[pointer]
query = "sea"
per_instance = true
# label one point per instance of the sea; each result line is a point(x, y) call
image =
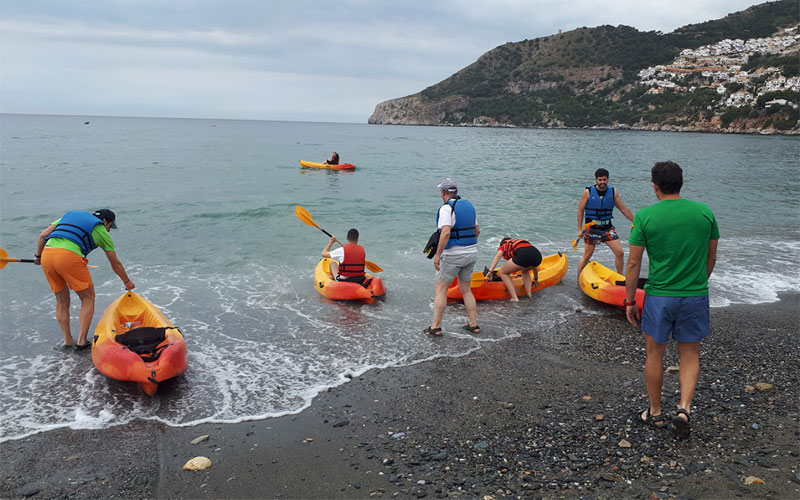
point(207, 231)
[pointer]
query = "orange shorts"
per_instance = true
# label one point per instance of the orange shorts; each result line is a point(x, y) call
point(64, 267)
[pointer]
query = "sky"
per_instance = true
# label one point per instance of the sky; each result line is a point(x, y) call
point(298, 60)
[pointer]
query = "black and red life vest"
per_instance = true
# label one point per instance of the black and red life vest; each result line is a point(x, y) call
point(509, 247)
point(353, 263)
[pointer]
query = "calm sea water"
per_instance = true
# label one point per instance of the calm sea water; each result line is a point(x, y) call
point(208, 233)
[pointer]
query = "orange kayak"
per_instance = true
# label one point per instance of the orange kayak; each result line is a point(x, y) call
point(341, 166)
point(551, 270)
point(601, 283)
point(344, 290)
point(135, 341)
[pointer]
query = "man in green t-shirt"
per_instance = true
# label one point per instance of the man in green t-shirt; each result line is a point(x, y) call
point(61, 251)
point(681, 240)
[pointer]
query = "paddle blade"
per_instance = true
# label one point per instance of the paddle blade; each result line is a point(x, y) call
point(574, 245)
point(375, 268)
point(304, 216)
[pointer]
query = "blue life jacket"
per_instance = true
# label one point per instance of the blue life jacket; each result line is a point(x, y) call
point(77, 226)
point(597, 208)
point(463, 233)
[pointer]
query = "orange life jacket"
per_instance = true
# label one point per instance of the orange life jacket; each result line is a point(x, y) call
point(510, 247)
point(353, 263)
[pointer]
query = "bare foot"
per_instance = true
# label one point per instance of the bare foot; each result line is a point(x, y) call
point(514, 299)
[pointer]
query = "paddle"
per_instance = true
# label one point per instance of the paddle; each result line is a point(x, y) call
point(574, 242)
point(304, 216)
point(5, 259)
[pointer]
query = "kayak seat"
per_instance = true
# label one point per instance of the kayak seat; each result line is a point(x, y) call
point(144, 341)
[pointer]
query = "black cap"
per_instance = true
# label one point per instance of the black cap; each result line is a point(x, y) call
point(108, 215)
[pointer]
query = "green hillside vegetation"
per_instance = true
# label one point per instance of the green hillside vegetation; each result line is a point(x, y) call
point(587, 76)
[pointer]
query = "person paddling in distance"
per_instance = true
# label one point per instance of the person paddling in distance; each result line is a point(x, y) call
point(520, 255)
point(456, 254)
point(61, 251)
point(348, 261)
point(334, 159)
point(597, 204)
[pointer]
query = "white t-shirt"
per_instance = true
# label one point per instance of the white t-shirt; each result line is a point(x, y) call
point(447, 217)
point(338, 254)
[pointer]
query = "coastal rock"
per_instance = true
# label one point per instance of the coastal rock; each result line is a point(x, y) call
point(200, 439)
point(764, 386)
point(31, 489)
point(415, 110)
point(197, 463)
point(753, 480)
point(624, 444)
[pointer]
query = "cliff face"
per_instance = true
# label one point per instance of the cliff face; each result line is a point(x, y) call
point(414, 110)
point(701, 77)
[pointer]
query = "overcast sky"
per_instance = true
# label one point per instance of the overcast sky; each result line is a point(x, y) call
point(303, 60)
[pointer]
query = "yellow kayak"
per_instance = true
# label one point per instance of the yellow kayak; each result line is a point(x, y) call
point(601, 283)
point(341, 166)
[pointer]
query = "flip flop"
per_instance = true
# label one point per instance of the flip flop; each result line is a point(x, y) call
point(681, 427)
point(81, 347)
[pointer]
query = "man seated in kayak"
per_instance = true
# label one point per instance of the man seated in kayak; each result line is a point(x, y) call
point(520, 256)
point(347, 262)
point(61, 251)
point(334, 160)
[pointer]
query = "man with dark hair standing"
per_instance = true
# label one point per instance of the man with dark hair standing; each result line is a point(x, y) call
point(61, 251)
point(347, 261)
point(597, 204)
point(681, 239)
point(456, 254)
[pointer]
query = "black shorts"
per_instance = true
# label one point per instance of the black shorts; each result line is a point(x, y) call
point(527, 257)
point(353, 279)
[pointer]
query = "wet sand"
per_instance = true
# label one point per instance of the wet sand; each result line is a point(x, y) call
point(546, 415)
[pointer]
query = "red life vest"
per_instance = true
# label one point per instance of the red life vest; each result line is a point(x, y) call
point(509, 248)
point(353, 263)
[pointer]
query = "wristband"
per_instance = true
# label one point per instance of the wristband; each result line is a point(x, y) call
point(626, 303)
point(37, 256)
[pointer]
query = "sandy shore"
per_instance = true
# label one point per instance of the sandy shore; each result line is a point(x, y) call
point(545, 415)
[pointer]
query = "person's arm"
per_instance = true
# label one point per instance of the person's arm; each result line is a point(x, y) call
point(621, 206)
point(635, 253)
point(444, 237)
point(326, 252)
point(477, 230)
point(711, 259)
point(536, 277)
point(581, 209)
point(495, 260)
point(37, 254)
point(118, 268)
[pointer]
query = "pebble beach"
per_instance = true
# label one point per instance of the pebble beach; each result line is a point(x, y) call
point(544, 415)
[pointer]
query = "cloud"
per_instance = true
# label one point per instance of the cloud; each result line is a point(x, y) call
point(275, 60)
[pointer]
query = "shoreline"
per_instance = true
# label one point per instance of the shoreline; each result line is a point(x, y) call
point(541, 415)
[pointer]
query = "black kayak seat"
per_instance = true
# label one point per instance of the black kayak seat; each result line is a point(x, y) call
point(144, 341)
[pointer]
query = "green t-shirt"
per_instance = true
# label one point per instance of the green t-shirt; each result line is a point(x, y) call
point(676, 235)
point(99, 234)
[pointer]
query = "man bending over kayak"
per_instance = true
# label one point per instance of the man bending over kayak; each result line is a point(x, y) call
point(61, 251)
point(347, 262)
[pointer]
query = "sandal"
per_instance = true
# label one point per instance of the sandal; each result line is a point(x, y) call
point(681, 426)
point(432, 331)
point(472, 329)
point(657, 421)
point(80, 347)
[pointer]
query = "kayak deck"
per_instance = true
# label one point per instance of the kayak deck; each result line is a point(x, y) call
point(607, 286)
point(551, 271)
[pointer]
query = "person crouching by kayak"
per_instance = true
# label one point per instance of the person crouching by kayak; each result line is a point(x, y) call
point(347, 262)
point(334, 160)
point(61, 251)
point(520, 256)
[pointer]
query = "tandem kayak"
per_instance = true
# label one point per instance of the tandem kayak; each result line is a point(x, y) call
point(343, 290)
point(551, 270)
point(134, 341)
point(341, 166)
point(601, 283)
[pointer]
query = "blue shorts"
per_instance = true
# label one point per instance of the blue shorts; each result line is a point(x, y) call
point(687, 318)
